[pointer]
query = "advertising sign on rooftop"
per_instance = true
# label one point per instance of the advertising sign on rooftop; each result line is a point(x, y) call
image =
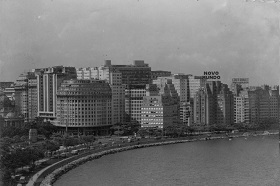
point(240, 80)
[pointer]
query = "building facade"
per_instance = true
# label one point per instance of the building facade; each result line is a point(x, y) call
point(241, 107)
point(161, 109)
point(114, 78)
point(225, 106)
point(195, 83)
point(214, 105)
point(26, 96)
point(181, 85)
point(133, 102)
point(84, 106)
point(48, 81)
point(263, 104)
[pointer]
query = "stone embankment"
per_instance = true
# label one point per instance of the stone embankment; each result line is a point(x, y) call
point(51, 178)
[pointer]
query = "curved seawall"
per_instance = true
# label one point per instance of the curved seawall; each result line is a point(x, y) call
point(53, 172)
point(51, 178)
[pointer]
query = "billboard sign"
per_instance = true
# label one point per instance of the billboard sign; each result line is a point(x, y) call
point(240, 80)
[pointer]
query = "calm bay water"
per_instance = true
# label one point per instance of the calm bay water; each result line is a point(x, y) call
point(254, 161)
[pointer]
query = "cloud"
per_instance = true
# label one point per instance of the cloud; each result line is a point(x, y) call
point(185, 36)
point(197, 58)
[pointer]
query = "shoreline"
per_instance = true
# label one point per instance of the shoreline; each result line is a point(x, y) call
point(63, 169)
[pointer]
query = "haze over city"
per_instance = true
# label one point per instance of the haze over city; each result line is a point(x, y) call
point(235, 37)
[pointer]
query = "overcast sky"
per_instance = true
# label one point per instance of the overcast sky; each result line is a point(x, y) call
point(235, 37)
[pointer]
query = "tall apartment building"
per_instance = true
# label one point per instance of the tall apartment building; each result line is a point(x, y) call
point(26, 96)
point(201, 108)
point(181, 84)
point(32, 98)
point(274, 103)
point(114, 78)
point(133, 102)
point(121, 77)
point(263, 104)
point(225, 106)
point(160, 106)
point(84, 106)
point(195, 83)
point(213, 105)
point(48, 81)
point(241, 107)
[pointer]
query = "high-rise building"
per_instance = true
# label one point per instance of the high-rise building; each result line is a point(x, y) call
point(121, 77)
point(201, 108)
point(225, 106)
point(241, 107)
point(213, 105)
point(32, 98)
point(48, 81)
point(26, 95)
point(133, 102)
point(114, 78)
point(84, 106)
point(263, 104)
point(274, 103)
point(195, 83)
point(181, 84)
point(160, 109)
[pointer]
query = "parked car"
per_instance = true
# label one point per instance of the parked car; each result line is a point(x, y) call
point(74, 152)
point(63, 155)
point(22, 179)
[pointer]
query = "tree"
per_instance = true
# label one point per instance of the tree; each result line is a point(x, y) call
point(267, 123)
point(23, 138)
point(34, 155)
point(143, 132)
point(88, 138)
point(50, 145)
point(190, 129)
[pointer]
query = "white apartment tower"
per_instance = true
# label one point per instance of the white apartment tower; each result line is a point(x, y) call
point(241, 108)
